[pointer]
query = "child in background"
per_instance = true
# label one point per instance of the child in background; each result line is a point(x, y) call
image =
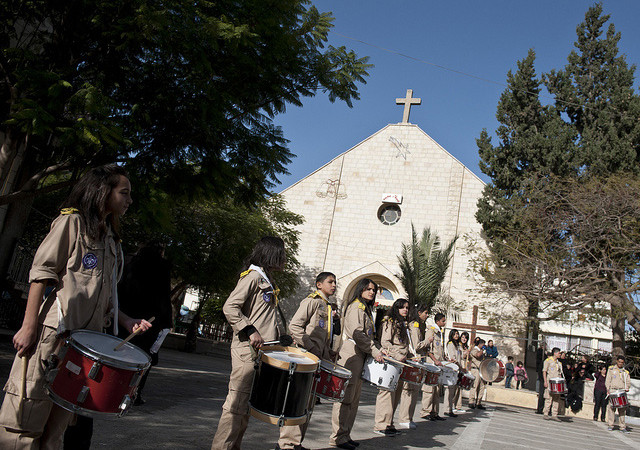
point(521, 375)
point(510, 372)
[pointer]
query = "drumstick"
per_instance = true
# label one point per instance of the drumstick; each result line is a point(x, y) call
point(135, 333)
point(23, 386)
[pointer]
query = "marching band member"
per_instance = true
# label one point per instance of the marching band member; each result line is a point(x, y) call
point(82, 258)
point(435, 354)
point(551, 369)
point(311, 328)
point(395, 341)
point(417, 348)
point(464, 366)
point(251, 312)
point(479, 385)
point(358, 342)
point(455, 355)
point(617, 379)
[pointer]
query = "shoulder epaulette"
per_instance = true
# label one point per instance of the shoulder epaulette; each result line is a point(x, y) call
point(361, 306)
point(245, 273)
point(549, 358)
point(415, 324)
point(315, 294)
point(67, 211)
point(387, 319)
point(613, 367)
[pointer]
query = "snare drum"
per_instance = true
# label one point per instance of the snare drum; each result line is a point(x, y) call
point(432, 374)
point(332, 381)
point(282, 385)
point(492, 370)
point(412, 373)
point(466, 380)
point(385, 375)
point(619, 399)
point(557, 385)
point(92, 378)
point(448, 374)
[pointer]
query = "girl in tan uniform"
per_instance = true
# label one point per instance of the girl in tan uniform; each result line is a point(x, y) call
point(357, 343)
point(311, 328)
point(417, 348)
point(251, 312)
point(454, 353)
point(82, 259)
point(464, 366)
point(395, 340)
point(479, 385)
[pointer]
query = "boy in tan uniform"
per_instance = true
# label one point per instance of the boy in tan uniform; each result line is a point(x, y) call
point(357, 343)
point(251, 312)
point(417, 347)
point(311, 328)
point(479, 385)
point(552, 368)
point(435, 354)
point(617, 379)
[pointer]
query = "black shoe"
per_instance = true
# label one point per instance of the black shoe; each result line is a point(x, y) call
point(432, 418)
point(318, 401)
point(346, 446)
point(450, 414)
point(354, 443)
point(538, 412)
point(472, 406)
point(439, 418)
point(480, 407)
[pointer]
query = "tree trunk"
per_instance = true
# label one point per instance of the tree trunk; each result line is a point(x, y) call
point(15, 223)
point(617, 329)
point(533, 333)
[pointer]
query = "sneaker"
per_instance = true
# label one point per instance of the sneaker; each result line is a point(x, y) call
point(609, 428)
point(407, 426)
point(625, 431)
point(388, 432)
point(436, 417)
point(393, 430)
point(451, 414)
point(459, 411)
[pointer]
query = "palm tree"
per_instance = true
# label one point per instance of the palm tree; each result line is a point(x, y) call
point(423, 266)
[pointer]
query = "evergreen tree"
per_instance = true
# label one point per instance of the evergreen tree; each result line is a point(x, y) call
point(595, 90)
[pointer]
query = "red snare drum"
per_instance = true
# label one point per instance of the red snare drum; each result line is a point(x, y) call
point(432, 374)
point(492, 370)
point(557, 385)
point(465, 380)
point(619, 399)
point(93, 379)
point(332, 381)
point(412, 372)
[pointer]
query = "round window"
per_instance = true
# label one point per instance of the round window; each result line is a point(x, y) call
point(389, 214)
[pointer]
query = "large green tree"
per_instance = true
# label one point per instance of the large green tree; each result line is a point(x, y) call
point(182, 93)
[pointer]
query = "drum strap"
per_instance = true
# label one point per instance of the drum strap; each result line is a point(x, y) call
point(411, 347)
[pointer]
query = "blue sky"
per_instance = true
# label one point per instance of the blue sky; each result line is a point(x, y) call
point(484, 39)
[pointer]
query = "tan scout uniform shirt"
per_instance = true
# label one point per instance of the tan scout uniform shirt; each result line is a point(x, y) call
point(455, 353)
point(418, 342)
point(475, 361)
point(396, 345)
point(312, 325)
point(83, 273)
point(358, 332)
point(617, 379)
point(252, 302)
point(552, 368)
point(436, 347)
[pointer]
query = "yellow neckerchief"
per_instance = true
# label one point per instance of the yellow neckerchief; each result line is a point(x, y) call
point(67, 211)
point(317, 294)
point(558, 365)
point(275, 289)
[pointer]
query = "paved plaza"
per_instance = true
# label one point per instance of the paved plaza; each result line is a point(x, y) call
point(185, 393)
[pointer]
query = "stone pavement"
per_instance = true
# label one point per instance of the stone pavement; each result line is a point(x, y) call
point(184, 396)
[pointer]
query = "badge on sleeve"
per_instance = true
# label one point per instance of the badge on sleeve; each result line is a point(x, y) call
point(321, 323)
point(369, 331)
point(267, 296)
point(89, 261)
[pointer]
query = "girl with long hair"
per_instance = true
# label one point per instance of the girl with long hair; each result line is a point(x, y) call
point(251, 312)
point(464, 365)
point(358, 343)
point(395, 340)
point(81, 259)
point(454, 351)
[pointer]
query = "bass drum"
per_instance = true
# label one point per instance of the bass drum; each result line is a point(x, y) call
point(492, 370)
point(277, 397)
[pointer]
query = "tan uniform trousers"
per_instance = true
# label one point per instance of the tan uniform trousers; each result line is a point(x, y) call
point(459, 399)
point(344, 412)
point(408, 402)
point(293, 435)
point(552, 404)
point(476, 394)
point(235, 411)
point(622, 412)
point(430, 400)
point(453, 394)
point(43, 423)
point(386, 404)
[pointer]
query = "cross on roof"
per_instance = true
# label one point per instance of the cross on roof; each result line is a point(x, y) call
point(407, 102)
point(473, 326)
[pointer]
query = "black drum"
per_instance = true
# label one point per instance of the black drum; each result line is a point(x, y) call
point(282, 385)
